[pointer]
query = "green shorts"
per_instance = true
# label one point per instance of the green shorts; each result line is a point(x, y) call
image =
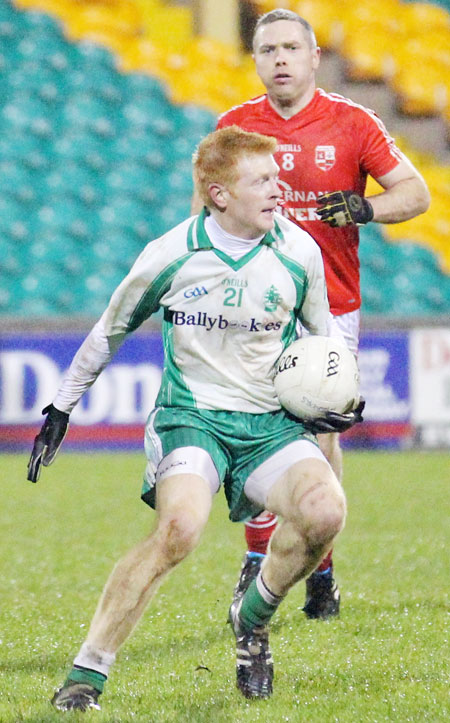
point(237, 442)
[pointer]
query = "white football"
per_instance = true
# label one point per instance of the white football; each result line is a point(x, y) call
point(317, 374)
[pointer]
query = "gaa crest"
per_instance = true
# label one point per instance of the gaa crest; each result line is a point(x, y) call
point(325, 157)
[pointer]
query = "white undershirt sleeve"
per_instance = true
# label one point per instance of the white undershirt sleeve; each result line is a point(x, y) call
point(91, 358)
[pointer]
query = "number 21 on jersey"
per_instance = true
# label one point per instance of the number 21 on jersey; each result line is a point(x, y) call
point(233, 297)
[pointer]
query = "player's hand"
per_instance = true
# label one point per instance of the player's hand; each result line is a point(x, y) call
point(334, 422)
point(48, 441)
point(344, 208)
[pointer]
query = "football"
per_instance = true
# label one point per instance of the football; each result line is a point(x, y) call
point(315, 375)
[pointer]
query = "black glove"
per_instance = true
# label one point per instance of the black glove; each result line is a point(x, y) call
point(343, 208)
point(48, 441)
point(334, 422)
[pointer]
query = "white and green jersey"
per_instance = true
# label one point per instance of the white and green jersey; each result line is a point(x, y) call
point(225, 321)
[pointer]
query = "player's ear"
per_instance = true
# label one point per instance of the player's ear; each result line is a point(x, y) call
point(218, 195)
point(316, 57)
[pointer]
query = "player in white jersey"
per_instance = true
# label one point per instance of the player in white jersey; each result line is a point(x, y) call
point(232, 283)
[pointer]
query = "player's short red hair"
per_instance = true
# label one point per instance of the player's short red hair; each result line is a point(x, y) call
point(216, 158)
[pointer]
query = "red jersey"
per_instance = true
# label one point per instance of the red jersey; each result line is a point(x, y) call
point(332, 144)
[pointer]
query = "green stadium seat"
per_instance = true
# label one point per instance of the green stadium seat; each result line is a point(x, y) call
point(96, 288)
point(117, 247)
point(81, 146)
point(133, 179)
point(75, 180)
point(199, 121)
point(140, 146)
point(34, 79)
point(8, 13)
point(104, 84)
point(94, 56)
point(64, 214)
point(373, 300)
point(179, 182)
point(60, 252)
point(149, 114)
point(42, 292)
point(7, 305)
point(41, 23)
point(45, 47)
point(415, 254)
point(10, 264)
point(141, 84)
point(17, 181)
point(18, 146)
point(29, 114)
point(15, 219)
point(86, 112)
point(174, 211)
point(127, 213)
point(10, 34)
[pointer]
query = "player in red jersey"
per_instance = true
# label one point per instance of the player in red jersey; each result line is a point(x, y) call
point(327, 146)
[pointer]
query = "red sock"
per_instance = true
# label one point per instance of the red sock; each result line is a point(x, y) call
point(326, 563)
point(259, 530)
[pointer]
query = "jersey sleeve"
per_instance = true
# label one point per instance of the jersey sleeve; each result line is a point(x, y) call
point(315, 311)
point(379, 152)
point(133, 301)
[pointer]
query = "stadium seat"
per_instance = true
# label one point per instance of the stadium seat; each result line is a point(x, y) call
point(10, 263)
point(104, 83)
point(323, 17)
point(75, 180)
point(141, 84)
point(17, 181)
point(15, 219)
point(83, 111)
point(127, 213)
point(133, 179)
point(58, 251)
point(61, 213)
point(138, 145)
point(29, 114)
point(422, 87)
point(174, 211)
point(373, 300)
point(80, 145)
point(117, 246)
point(32, 78)
point(41, 292)
point(148, 113)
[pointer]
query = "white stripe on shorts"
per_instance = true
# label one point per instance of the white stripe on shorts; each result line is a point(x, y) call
point(189, 460)
point(262, 479)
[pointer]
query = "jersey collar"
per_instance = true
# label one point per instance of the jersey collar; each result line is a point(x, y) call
point(198, 239)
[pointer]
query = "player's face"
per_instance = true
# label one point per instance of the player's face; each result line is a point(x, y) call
point(285, 60)
point(252, 199)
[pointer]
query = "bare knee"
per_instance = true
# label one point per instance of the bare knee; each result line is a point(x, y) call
point(179, 535)
point(319, 508)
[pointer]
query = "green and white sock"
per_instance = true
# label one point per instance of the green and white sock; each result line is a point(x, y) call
point(91, 666)
point(90, 677)
point(258, 604)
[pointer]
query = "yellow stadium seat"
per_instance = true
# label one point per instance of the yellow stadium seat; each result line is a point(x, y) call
point(368, 55)
point(325, 18)
point(142, 56)
point(431, 48)
point(424, 17)
point(422, 84)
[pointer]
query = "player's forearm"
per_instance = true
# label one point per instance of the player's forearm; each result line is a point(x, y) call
point(406, 199)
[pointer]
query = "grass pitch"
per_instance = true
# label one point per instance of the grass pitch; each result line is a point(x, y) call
point(385, 659)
